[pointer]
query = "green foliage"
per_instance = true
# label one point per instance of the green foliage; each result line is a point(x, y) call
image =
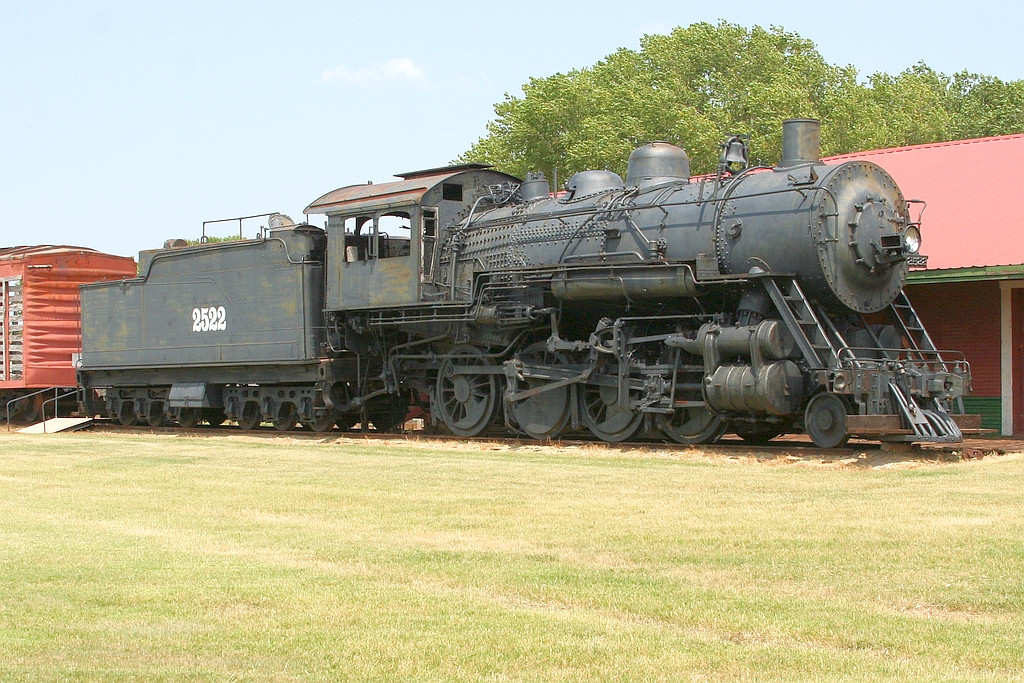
point(700, 83)
point(210, 239)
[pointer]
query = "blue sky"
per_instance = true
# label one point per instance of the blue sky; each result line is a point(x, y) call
point(124, 124)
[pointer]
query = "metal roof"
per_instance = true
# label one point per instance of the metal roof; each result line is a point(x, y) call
point(932, 275)
point(975, 207)
point(11, 253)
point(406, 192)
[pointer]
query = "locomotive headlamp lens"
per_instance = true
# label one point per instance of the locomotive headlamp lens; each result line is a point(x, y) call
point(912, 240)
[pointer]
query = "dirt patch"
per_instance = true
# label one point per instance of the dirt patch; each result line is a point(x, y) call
point(870, 456)
point(791, 451)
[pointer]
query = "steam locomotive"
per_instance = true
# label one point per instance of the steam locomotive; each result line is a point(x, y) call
point(756, 301)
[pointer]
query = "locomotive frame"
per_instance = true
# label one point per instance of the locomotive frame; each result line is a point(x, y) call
point(755, 301)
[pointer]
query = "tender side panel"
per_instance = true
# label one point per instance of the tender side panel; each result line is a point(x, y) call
point(242, 303)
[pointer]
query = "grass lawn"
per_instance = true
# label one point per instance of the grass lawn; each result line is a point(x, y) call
point(220, 558)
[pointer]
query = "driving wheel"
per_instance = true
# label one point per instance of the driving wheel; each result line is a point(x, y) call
point(545, 414)
point(691, 425)
point(467, 399)
point(601, 413)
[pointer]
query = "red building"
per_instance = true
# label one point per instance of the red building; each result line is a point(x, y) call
point(971, 295)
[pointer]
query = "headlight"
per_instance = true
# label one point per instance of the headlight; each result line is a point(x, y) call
point(839, 383)
point(912, 240)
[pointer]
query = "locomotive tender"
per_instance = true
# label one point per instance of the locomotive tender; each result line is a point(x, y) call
point(757, 301)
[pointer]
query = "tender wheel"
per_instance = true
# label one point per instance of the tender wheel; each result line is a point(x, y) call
point(251, 416)
point(156, 417)
point(602, 415)
point(287, 417)
point(189, 417)
point(691, 425)
point(544, 415)
point(825, 421)
point(467, 402)
point(127, 415)
point(323, 422)
point(214, 416)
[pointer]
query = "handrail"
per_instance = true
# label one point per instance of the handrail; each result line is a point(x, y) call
point(881, 355)
point(26, 396)
point(77, 391)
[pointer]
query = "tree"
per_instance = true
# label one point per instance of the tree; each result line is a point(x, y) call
point(984, 105)
point(699, 83)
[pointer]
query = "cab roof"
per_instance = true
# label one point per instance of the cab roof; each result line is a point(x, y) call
point(406, 192)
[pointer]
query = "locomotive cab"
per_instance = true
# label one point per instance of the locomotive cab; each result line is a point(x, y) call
point(382, 237)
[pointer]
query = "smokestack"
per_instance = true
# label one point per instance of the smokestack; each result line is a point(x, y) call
point(801, 142)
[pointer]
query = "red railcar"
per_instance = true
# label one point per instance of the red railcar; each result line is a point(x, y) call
point(40, 317)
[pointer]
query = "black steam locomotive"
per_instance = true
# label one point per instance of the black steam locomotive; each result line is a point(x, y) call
point(755, 301)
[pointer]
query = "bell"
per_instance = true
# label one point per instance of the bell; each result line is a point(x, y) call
point(734, 151)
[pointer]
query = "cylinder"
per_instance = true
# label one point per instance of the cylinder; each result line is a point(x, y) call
point(801, 142)
point(777, 388)
point(770, 337)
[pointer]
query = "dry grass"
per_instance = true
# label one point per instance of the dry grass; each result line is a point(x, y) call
point(181, 557)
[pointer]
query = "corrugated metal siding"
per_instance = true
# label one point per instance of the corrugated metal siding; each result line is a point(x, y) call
point(42, 322)
point(964, 316)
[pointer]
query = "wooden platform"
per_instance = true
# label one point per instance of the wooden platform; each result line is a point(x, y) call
point(57, 424)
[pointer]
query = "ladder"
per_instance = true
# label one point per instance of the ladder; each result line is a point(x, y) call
point(922, 348)
point(798, 313)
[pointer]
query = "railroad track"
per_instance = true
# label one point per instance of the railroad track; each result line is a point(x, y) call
point(793, 445)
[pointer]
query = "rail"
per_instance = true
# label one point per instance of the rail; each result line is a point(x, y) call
point(929, 360)
point(77, 391)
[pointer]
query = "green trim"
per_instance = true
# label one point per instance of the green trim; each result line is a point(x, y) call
point(921, 277)
point(989, 407)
